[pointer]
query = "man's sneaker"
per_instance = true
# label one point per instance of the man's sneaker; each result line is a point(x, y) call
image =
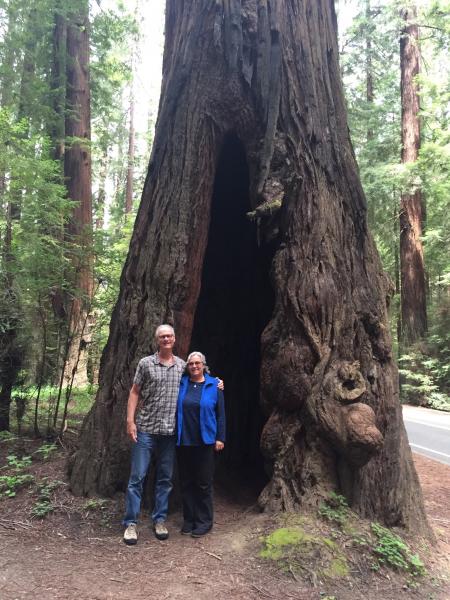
point(130, 535)
point(160, 530)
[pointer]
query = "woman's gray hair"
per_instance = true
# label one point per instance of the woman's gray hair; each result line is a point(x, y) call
point(202, 358)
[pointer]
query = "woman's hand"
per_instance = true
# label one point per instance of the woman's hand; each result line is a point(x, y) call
point(218, 446)
point(220, 384)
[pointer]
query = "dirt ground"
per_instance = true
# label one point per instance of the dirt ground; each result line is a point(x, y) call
point(76, 552)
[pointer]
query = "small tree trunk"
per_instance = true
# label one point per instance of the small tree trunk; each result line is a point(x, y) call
point(10, 351)
point(101, 196)
point(412, 266)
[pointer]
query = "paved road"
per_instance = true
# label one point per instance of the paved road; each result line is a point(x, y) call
point(428, 432)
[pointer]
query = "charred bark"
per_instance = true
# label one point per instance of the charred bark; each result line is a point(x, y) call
point(412, 265)
point(296, 319)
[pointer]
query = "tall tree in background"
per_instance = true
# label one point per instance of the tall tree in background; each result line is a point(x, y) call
point(46, 257)
point(412, 266)
point(21, 20)
point(423, 366)
point(59, 79)
point(131, 132)
point(370, 96)
point(77, 174)
point(288, 302)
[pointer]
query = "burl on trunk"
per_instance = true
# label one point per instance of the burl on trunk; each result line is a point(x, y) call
point(252, 239)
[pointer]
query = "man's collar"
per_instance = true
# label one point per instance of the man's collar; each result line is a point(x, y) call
point(158, 362)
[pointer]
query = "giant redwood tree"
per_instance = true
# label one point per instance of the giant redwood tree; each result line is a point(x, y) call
point(251, 238)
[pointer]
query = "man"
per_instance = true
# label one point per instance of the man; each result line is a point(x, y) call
point(156, 384)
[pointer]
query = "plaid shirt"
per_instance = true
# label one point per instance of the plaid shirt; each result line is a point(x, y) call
point(158, 393)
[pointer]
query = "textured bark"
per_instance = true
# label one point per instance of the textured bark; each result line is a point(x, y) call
point(77, 173)
point(291, 305)
point(130, 162)
point(412, 266)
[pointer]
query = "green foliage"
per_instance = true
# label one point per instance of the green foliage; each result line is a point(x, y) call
point(15, 479)
point(80, 402)
point(391, 550)
point(37, 282)
point(334, 509)
point(46, 450)
point(96, 504)
point(112, 248)
point(420, 374)
point(18, 464)
point(425, 369)
point(10, 483)
point(371, 45)
point(43, 506)
point(46, 487)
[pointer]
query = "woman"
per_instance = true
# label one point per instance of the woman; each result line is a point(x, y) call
point(201, 432)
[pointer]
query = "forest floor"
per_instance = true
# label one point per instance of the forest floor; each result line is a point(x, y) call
point(76, 550)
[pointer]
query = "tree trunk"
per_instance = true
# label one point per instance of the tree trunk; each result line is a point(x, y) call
point(11, 352)
point(130, 161)
point(289, 301)
point(101, 195)
point(412, 266)
point(369, 66)
point(77, 173)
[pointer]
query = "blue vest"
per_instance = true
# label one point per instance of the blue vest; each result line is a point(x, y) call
point(208, 402)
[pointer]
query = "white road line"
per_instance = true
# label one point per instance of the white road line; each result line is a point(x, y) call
point(430, 450)
point(426, 424)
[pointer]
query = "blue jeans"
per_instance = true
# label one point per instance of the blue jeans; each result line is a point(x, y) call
point(147, 444)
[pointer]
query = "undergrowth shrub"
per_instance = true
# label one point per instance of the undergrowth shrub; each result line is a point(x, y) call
point(334, 509)
point(392, 551)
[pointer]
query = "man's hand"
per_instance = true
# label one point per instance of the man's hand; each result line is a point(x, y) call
point(131, 411)
point(218, 446)
point(132, 431)
point(220, 384)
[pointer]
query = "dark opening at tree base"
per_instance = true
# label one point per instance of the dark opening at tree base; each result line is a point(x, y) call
point(235, 304)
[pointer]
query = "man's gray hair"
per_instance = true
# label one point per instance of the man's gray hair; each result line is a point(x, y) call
point(202, 358)
point(164, 326)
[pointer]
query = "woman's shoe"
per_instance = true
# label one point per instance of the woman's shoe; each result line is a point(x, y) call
point(186, 529)
point(200, 532)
